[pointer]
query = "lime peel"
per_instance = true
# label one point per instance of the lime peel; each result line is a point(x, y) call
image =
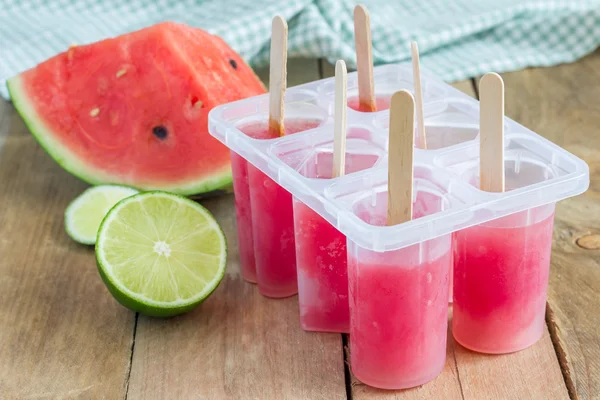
point(160, 254)
point(84, 214)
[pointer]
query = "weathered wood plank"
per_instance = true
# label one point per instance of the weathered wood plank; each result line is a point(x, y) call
point(446, 386)
point(62, 335)
point(327, 70)
point(533, 373)
point(467, 87)
point(237, 344)
point(561, 103)
point(299, 70)
point(5, 110)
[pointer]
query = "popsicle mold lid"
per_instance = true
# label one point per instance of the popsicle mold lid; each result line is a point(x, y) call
point(537, 171)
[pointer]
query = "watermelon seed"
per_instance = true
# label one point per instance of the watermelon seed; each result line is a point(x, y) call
point(160, 132)
point(95, 112)
point(121, 72)
point(233, 64)
point(198, 104)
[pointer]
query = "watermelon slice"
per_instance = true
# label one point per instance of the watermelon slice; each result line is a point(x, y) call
point(133, 110)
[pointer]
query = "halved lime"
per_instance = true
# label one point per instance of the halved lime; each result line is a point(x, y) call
point(160, 254)
point(84, 215)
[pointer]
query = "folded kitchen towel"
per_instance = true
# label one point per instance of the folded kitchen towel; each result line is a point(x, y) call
point(457, 39)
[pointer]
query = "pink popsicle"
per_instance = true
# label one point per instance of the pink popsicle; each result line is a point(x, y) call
point(321, 254)
point(501, 282)
point(274, 239)
point(399, 305)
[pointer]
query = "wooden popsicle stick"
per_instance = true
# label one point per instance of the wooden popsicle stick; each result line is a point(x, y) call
point(364, 58)
point(277, 75)
point(400, 162)
point(414, 50)
point(339, 132)
point(491, 133)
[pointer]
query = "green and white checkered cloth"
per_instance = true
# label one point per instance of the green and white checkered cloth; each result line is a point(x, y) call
point(457, 39)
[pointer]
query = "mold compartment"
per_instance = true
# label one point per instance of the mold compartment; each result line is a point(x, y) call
point(362, 201)
point(299, 117)
point(320, 247)
point(388, 80)
point(428, 199)
point(311, 156)
point(245, 108)
point(447, 123)
point(527, 161)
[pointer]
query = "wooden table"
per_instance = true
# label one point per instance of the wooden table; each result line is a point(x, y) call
point(62, 336)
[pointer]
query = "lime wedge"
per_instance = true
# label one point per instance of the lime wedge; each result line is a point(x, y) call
point(160, 254)
point(84, 215)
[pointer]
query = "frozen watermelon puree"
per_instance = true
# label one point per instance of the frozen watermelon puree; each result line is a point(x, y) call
point(399, 305)
point(274, 258)
point(322, 272)
point(133, 109)
point(501, 281)
point(260, 129)
point(321, 252)
point(243, 214)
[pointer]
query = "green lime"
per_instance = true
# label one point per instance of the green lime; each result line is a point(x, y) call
point(84, 215)
point(160, 254)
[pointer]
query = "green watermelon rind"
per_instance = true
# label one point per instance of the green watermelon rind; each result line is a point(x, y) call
point(75, 165)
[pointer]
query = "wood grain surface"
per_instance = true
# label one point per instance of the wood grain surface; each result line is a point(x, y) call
point(62, 335)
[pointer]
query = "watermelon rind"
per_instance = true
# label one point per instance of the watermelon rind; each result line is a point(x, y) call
point(77, 166)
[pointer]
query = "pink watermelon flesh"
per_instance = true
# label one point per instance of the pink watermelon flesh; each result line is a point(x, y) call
point(133, 110)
